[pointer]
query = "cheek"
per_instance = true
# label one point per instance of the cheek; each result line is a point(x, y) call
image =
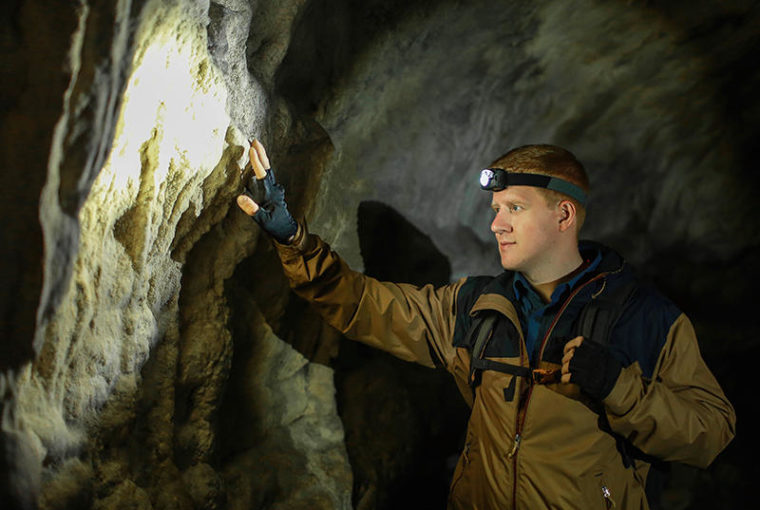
point(537, 233)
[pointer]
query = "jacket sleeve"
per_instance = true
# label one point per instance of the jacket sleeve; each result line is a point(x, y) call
point(412, 323)
point(681, 414)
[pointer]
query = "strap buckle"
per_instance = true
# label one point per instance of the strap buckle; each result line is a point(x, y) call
point(545, 375)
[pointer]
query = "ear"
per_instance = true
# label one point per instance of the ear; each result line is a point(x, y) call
point(567, 215)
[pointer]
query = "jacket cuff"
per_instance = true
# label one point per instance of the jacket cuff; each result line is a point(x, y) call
point(626, 391)
point(298, 244)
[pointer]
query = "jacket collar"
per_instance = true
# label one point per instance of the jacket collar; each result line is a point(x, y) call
point(612, 261)
point(499, 294)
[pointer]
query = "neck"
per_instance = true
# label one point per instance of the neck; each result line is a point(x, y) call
point(561, 271)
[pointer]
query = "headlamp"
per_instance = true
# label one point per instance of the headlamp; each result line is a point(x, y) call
point(496, 179)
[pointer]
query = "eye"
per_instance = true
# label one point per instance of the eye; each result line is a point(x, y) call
point(515, 208)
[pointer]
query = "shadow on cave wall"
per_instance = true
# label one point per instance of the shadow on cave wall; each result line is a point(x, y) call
point(404, 423)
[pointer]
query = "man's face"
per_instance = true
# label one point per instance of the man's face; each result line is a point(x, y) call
point(526, 228)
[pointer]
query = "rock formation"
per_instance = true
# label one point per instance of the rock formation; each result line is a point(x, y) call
point(152, 355)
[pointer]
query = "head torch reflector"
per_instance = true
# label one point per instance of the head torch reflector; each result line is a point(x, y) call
point(487, 179)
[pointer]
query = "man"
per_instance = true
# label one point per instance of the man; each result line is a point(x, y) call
point(558, 420)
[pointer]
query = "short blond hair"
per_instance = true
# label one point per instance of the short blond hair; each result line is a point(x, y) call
point(549, 160)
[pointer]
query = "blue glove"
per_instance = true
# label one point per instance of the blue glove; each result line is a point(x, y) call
point(273, 215)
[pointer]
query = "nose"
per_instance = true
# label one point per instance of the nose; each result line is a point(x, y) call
point(501, 224)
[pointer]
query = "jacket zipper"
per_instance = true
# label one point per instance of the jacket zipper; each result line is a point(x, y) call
point(609, 503)
point(523, 407)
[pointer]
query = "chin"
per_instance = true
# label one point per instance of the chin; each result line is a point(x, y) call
point(509, 266)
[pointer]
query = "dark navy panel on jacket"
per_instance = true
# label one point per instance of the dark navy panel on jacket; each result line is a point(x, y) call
point(642, 330)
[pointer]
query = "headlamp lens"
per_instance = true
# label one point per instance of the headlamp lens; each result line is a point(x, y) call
point(486, 178)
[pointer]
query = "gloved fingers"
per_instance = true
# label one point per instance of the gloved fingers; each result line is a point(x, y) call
point(265, 198)
point(263, 217)
point(259, 160)
point(248, 205)
point(568, 353)
point(566, 359)
point(273, 191)
point(573, 344)
point(593, 368)
point(565, 370)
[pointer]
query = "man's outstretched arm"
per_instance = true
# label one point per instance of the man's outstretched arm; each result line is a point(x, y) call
point(412, 323)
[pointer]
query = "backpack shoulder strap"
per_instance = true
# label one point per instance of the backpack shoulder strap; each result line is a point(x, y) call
point(481, 331)
point(596, 322)
point(600, 315)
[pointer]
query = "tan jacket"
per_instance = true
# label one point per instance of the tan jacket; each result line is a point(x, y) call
point(561, 458)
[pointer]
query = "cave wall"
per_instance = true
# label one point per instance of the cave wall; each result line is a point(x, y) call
point(119, 404)
point(152, 355)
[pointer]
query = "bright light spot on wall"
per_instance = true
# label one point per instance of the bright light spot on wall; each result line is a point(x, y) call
point(174, 98)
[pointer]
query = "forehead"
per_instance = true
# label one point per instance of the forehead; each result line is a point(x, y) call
point(527, 194)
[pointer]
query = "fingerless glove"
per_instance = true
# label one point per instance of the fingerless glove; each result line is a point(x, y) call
point(594, 369)
point(273, 215)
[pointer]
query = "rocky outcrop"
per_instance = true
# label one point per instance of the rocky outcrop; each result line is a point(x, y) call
point(152, 355)
point(120, 405)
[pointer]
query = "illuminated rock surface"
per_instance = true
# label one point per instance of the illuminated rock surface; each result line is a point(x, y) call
point(152, 355)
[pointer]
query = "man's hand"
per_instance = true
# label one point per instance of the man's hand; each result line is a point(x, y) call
point(272, 214)
point(591, 366)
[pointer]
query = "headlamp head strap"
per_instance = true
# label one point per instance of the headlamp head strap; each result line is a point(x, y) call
point(496, 179)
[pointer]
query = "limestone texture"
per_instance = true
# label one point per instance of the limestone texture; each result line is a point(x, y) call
point(152, 355)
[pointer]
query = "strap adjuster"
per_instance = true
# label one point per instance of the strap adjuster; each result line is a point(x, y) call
point(545, 376)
